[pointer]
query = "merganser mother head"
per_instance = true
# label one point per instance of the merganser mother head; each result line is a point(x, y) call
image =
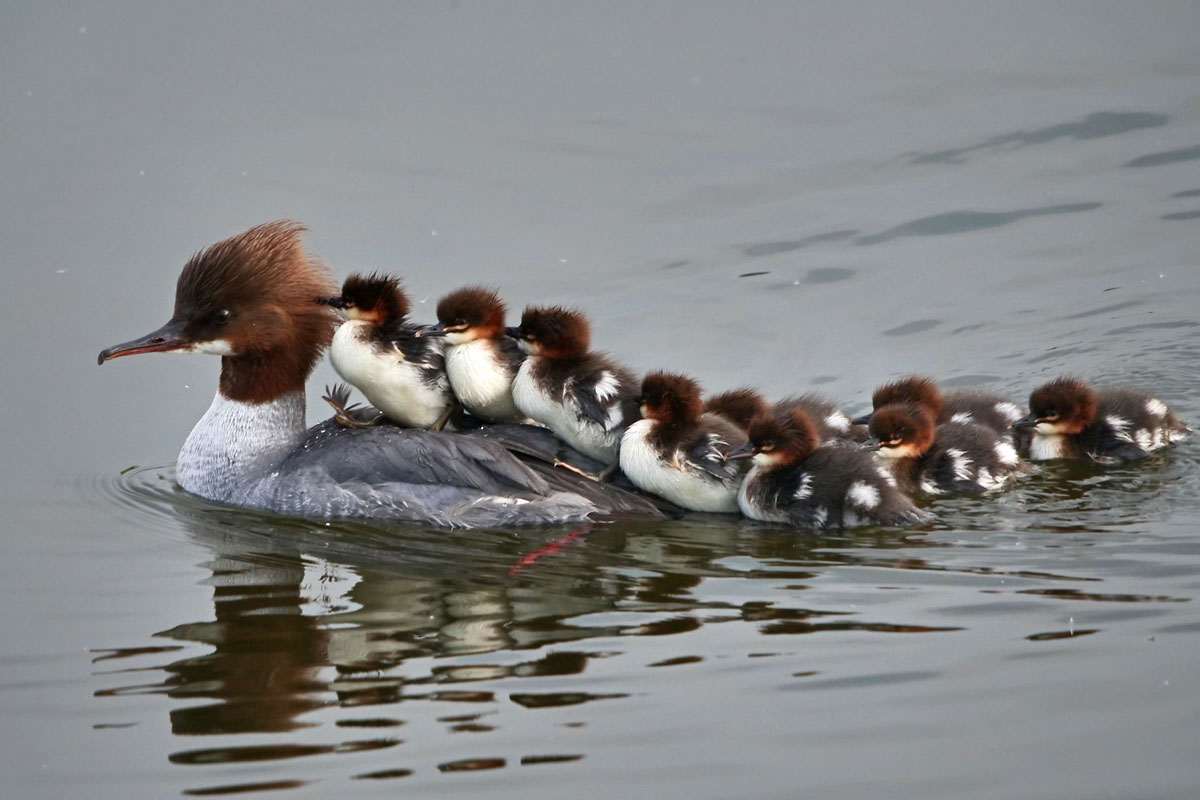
point(248, 299)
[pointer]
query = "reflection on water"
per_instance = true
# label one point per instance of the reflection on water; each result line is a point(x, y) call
point(345, 640)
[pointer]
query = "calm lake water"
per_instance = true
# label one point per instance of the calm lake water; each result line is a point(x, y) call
point(795, 198)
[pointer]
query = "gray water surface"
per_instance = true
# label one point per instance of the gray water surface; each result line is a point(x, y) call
point(790, 197)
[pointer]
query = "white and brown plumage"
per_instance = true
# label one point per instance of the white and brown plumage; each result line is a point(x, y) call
point(382, 354)
point(1070, 419)
point(481, 361)
point(680, 453)
point(951, 458)
point(967, 405)
point(798, 482)
point(585, 397)
point(250, 299)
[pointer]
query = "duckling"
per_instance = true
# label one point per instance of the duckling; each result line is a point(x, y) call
point(795, 481)
point(983, 408)
point(956, 457)
point(679, 452)
point(740, 406)
point(378, 351)
point(1070, 419)
point(481, 361)
point(585, 397)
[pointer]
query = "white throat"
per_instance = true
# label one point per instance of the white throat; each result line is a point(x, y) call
point(235, 442)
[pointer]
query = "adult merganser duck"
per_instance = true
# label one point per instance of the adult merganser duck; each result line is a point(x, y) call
point(968, 405)
point(250, 300)
point(380, 353)
point(1070, 419)
point(585, 397)
point(678, 452)
point(740, 406)
point(481, 361)
point(796, 481)
point(955, 457)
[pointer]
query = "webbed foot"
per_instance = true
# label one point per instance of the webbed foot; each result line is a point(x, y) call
point(345, 413)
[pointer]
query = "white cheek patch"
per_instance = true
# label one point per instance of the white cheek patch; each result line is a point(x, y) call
point(1156, 407)
point(526, 348)
point(1047, 428)
point(765, 459)
point(892, 452)
point(213, 347)
point(458, 337)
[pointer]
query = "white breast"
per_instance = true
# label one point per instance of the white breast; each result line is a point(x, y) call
point(691, 489)
point(561, 417)
point(1046, 448)
point(391, 384)
point(751, 509)
point(235, 442)
point(480, 382)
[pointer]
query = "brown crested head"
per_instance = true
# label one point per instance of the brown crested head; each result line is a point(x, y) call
point(911, 389)
point(375, 298)
point(1064, 406)
point(903, 430)
point(671, 398)
point(553, 332)
point(739, 406)
point(782, 439)
point(473, 312)
point(249, 298)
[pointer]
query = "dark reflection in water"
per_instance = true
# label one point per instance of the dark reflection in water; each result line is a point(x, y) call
point(1181, 215)
point(318, 633)
point(953, 222)
point(1099, 125)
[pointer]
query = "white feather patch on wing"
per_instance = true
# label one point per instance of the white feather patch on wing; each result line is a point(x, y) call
point(887, 475)
point(1120, 427)
point(863, 495)
point(606, 387)
point(1156, 407)
point(1009, 411)
point(960, 463)
point(1006, 454)
point(929, 487)
point(804, 490)
point(962, 417)
point(820, 516)
point(838, 421)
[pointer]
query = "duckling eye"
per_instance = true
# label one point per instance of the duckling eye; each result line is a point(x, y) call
point(222, 316)
point(766, 447)
point(460, 321)
point(1050, 415)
